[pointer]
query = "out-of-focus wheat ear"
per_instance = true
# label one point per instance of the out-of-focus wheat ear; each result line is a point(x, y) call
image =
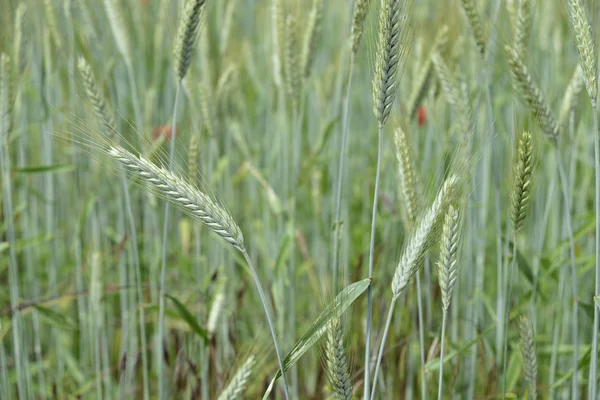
point(311, 37)
point(408, 175)
point(238, 383)
point(292, 59)
point(95, 96)
point(570, 99)
point(448, 263)
point(528, 353)
point(117, 26)
point(52, 24)
point(511, 8)
point(526, 87)
point(522, 27)
point(193, 159)
point(277, 35)
point(586, 47)
point(423, 79)
point(522, 171)
point(386, 60)
point(20, 40)
point(216, 310)
point(423, 235)
point(181, 194)
point(338, 371)
point(6, 96)
point(453, 91)
point(475, 23)
point(361, 9)
point(207, 110)
point(187, 33)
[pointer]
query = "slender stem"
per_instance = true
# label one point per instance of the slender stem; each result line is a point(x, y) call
point(575, 326)
point(381, 346)
point(371, 260)
point(342, 161)
point(507, 317)
point(593, 378)
point(163, 268)
point(443, 339)
point(421, 336)
point(268, 314)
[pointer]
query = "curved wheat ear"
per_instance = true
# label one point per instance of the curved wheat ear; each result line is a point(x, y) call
point(238, 383)
point(522, 27)
point(187, 33)
point(338, 371)
point(475, 22)
point(524, 85)
point(408, 175)
point(386, 60)
point(420, 241)
point(182, 195)
point(448, 264)
point(569, 102)
point(420, 88)
point(52, 25)
point(311, 36)
point(585, 45)
point(117, 26)
point(361, 8)
point(523, 168)
point(20, 41)
point(6, 97)
point(528, 353)
point(95, 97)
point(292, 62)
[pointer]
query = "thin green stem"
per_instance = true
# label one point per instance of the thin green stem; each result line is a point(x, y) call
point(593, 377)
point(382, 346)
point(507, 317)
point(421, 336)
point(268, 314)
point(371, 261)
point(443, 340)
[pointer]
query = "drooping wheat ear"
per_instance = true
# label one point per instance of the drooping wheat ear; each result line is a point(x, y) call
point(526, 87)
point(52, 24)
point(193, 159)
point(277, 34)
point(408, 175)
point(420, 241)
point(292, 62)
point(182, 195)
point(570, 99)
point(475, 23)
point(386, 60)
point(522, 27)
point(528, 353)
point(216, 310)
point(117, 26)
point(453, 90)
point(422, 83)
point(311, 36)
point(338, 371)
point(523, 168)
point(361, 8)
point(187, 33)
point(95, 96)
point(20, 40)
point(448, 264)
point(238, 383)
point(586, 47)
point(207, 110)
point(6, 96)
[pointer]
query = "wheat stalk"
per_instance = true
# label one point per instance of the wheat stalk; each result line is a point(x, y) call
point(20, 41)
point(6, 96)
point(338, 371)
point(528, 353)
point(238, 383)
point(187, 34)
point(523, 167)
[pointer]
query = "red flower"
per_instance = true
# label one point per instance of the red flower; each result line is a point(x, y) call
point(162, 130)
point(422, 116)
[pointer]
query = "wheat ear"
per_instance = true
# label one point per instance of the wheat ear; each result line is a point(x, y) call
point(52, 24)
point(526, 87)
point(523, 167)
point(448, 263)
point(528, 353)
point(453, 90)
point(20, 39)
point(586, 47)
point(361, 8)
point(277, 33)
point(6, 96)
point(338, 371)
point(95, 96)
point(311, 37)
point(386, 60)
point(408, 175)
point(238, 383)
point(569, 102)
point(293, 75)
point(475, 23)
point(187, 34)
point(522, 27)
point(182, 195)
point(117, 26)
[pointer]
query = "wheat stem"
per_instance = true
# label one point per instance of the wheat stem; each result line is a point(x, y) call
point(386, 330)
point(593, 386)
point(443, 338)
